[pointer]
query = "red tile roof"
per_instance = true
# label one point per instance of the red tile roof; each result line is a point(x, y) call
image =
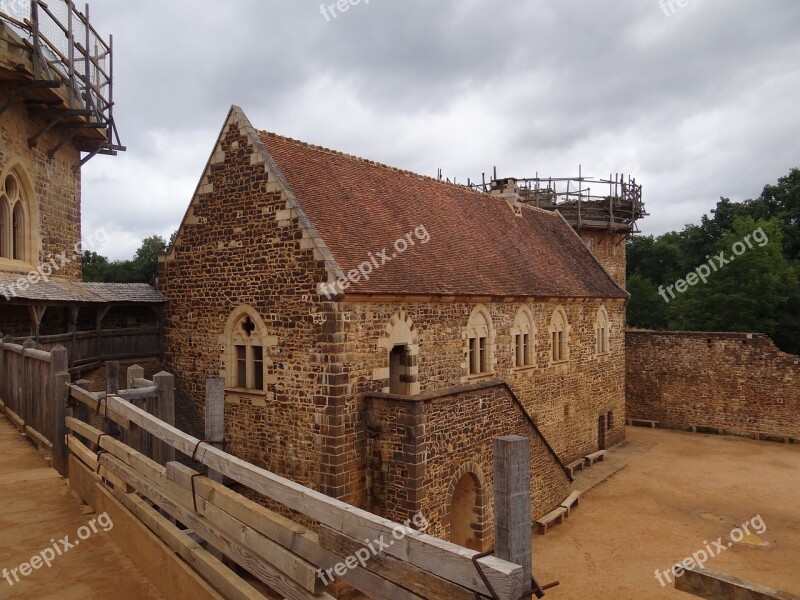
point(478, 246)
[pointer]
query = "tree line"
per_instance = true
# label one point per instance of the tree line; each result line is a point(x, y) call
point(142, 268)
point(738, 270)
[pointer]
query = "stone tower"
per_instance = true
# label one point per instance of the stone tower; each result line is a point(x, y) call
point(56, 112)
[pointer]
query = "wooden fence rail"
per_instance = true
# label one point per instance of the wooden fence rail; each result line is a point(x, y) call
point(32, 393)
point(118, 446)
point(293, 560)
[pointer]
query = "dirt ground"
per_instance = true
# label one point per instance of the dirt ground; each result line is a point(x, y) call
point(36, 506)
point(678, 494)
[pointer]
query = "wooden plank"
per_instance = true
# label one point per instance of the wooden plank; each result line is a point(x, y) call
point(705, 583)
point(150, 479)
point(212, 495)
point(139, 393)
point(447, 560)
point(173, 577)
point(91, 401)
point(88, 458)
point(41, 442)
point(15, 419)
point(82, 481)
point(221, 578)
point(254, 563)
point(418, 581)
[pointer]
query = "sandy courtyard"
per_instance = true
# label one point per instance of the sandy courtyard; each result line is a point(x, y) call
point(678, 494)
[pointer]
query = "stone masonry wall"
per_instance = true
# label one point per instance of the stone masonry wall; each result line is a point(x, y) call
point(421, 446)
point(241, 244)
point(740, 383)
point(564, 400)
point(55, 187)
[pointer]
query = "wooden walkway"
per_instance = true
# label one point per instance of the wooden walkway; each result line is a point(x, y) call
point(37, 506)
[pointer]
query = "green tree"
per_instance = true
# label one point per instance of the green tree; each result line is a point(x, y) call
point(141, 269)
point(758, 291)
point(646, 309)
point(145, 261)
point(94, 266)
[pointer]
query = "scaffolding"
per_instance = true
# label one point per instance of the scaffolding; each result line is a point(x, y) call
point(54, 60)
point(613, 204)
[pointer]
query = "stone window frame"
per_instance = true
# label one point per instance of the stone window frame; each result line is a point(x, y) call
point(479, 327)
point(235, 336)
point(559, 335)
point(18, 221)
point(524, 325)
point(602, 333)
point(399, 331)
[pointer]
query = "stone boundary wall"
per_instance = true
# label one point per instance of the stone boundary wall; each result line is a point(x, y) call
point(740, 383)
point(420, 446)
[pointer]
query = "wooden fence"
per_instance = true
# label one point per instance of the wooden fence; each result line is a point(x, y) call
point(90, 349)
point(118, 448)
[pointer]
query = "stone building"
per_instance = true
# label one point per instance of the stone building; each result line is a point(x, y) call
point(51, 122)
point(377, 329)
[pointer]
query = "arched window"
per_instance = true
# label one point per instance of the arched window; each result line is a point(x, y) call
point(246, 346)
point(523, 336)
point(602, 329)
point(15, 220)
point(559, 336)
point(5, 219)
point(480, 343)
point(18, 233)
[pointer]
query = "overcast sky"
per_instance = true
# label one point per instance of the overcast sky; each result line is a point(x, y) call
point(696, 101)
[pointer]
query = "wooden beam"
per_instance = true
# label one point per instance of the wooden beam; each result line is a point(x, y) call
point(712, 585)
point(234, 549)
point(418, 581)
point(213, 497)
point(89, 458)
point(91, 401)
point(173, 577)
point(225, 581)
point(512, 501)
point(444, 559)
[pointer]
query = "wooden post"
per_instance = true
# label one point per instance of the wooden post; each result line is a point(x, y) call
point(112, 389)
point(59, 364)
point(165, 382)
point(135, 434)
point(26, 382)
point(215, 428)
point(3, 376)
point(512, 502)
point(215, 416)
point(134, 372)
point(81, 411)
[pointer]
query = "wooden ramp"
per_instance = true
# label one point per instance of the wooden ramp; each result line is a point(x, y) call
point(37, 506)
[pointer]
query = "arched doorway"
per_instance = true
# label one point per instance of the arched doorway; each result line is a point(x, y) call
point(464, 517)
point(399, 370)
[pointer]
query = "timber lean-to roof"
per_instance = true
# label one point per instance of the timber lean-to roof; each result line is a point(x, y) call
point(478, 245)
point(59, 290)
